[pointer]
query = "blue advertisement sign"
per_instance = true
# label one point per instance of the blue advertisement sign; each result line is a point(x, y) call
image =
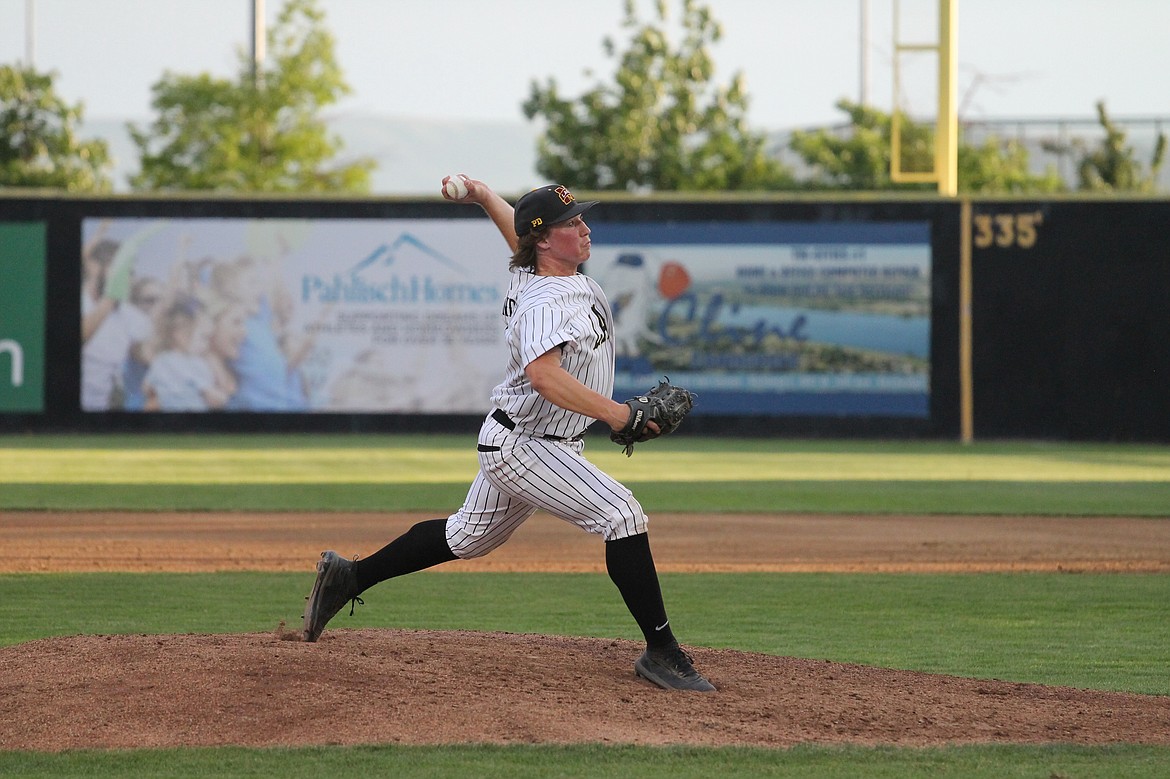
point(774, 319)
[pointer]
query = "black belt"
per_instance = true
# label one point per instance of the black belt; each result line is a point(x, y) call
point(503, 419)
point(500, 416)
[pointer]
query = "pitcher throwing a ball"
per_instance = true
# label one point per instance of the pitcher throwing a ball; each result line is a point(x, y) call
point(559, 379)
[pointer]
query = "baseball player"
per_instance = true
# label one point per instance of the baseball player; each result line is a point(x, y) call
point(559, 379)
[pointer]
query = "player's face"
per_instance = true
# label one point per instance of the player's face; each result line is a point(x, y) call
point(569, 241)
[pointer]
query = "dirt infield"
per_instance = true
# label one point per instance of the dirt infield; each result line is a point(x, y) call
point(383, 686)
point(109, 541)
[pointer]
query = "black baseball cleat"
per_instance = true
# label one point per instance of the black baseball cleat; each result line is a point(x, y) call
point(335, 584)
point(671, 669)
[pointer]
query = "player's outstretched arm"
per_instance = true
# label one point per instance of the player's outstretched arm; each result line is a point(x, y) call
point(499, 210)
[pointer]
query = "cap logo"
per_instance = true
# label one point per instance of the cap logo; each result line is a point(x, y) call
point(565, 195)
point(537, 222)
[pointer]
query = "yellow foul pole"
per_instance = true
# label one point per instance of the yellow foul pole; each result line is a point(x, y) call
point(947, 146)
point(946, 137)
point(947, 164)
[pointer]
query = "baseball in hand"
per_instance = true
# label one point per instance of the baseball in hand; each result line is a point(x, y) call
point(456, 189)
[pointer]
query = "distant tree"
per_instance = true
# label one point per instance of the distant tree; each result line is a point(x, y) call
point(858, 158)
point(1000, 166)
point(662, 123)
point(39, 146)
point(262, 131)
point(1113, 166)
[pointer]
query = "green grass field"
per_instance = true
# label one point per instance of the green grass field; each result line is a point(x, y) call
point(393, 473)
point(1094, 631)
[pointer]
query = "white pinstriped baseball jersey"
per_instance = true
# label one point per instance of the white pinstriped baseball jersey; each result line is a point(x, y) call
point(541, 313)
point(521, 467)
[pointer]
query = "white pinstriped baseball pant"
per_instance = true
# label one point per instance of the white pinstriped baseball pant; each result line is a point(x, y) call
point(527, 473)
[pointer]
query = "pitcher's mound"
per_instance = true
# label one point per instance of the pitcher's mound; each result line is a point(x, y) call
point(432, 687)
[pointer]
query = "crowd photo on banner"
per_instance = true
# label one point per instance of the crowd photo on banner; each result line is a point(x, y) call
point(212, 334)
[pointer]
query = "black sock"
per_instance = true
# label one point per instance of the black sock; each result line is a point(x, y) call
point(631, 567)
point(423, 546)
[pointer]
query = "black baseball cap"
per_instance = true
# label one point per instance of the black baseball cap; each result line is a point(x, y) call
point(546, 206)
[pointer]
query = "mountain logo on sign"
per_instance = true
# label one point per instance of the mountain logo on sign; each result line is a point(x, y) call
point(386, 255)
point(401, 272)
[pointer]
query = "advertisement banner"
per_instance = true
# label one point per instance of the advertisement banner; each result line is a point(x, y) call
point(401, 315)
point(22, 316)
point(289, 315)
point(773, 319)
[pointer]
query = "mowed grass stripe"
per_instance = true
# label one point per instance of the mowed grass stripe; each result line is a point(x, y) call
point(537, 761)
point(432, 460)
point(1073, 499)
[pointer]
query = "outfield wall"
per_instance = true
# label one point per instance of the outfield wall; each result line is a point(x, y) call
point(1071, 319)
point(788, 317)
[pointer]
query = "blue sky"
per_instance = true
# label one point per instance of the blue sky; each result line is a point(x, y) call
point(475, 59)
